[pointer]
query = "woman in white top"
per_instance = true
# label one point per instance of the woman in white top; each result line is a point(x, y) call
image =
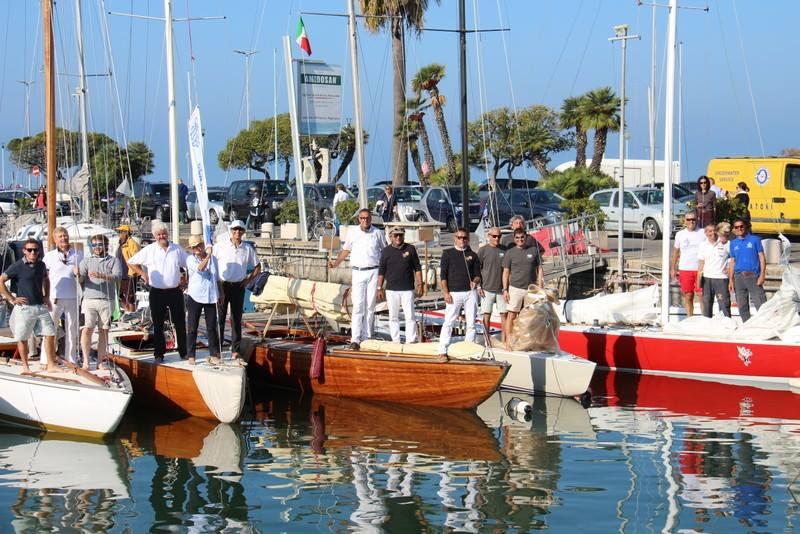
point(202, 298)
point(712, 275)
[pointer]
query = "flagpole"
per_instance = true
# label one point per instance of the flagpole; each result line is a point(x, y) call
point(362, 168)
point(298, 173)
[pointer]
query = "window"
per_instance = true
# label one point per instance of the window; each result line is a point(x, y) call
point(792, 177)
point(214, 196)
point(327, 191)
point(192, 197)
point(603, 198)
point(239, 190)
point(630, 201)
point(408, 194)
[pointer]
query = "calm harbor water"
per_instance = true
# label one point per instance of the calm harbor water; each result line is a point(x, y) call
point(651, 454)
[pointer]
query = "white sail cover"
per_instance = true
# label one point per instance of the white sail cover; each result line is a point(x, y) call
point(332, 301)
point(638, 307)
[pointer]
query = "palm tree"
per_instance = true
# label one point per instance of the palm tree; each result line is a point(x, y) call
point(416, 107)
point(599, 110)
point(427, 79)
point(571, 118)
point(346, 145)
point(395, 16)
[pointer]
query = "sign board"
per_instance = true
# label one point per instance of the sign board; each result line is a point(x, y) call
point(319, 95)
point(35, 170)
point(426, 234)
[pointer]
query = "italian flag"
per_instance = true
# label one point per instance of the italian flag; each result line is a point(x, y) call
point(302, 38)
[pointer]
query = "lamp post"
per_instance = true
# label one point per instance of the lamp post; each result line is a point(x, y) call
point(247, 54)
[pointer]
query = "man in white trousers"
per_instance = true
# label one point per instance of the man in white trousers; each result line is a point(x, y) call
point(460, 280)
point(62, 269)
point(364, 246)
point(402, 271)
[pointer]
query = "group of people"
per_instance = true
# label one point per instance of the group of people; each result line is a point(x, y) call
point(46, 290)
point(707, 195)
point(499, 273)
point(709, 263)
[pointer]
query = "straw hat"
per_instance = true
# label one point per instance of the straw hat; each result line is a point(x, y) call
point(195, 240)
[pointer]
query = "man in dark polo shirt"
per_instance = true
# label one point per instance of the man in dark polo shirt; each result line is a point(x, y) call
point(400, 267)
point(31, 315)
point(460, 276)
point(491, 290)
point(521, 267)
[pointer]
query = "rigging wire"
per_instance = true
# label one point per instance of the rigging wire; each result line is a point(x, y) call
point(740, 111)
point(567, 39)
point(747, 77)
point(5, 56)
point(585, 47)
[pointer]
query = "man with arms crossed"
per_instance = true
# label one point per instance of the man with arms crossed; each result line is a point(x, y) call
point(62, 269)
point(460, 277)
point(364, 246)
point(400, 267)
point(31, 315)
point(491, 292)
point(521, 268)
point(684, 260)
point(747, 269)
point(99, 274)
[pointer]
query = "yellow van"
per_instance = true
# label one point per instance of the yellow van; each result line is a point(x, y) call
point(774, 189)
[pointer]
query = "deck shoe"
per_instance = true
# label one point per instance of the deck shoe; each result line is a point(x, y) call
point(355, 346)
point(158, 359)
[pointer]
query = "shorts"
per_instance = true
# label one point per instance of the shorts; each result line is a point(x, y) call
point(491, 298)
point(516, 298)
point(96, 312)
point(688, 281)
point(31, 319)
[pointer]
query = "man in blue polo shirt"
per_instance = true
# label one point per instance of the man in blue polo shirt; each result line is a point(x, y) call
point(747, 269)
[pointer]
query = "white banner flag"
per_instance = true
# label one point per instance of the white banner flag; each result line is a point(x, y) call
point(199, 173)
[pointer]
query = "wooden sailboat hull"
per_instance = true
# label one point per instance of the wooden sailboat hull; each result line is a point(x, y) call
point(769, 362)
point(372, 376)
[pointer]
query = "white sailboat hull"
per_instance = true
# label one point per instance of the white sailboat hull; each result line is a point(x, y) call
point(546, 373)
point(50, 402)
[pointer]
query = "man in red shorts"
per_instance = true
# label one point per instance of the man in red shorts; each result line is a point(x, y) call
point(685, 261)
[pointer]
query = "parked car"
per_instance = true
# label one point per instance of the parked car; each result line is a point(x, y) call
point(643, 213)
point(216, 205)
point(319, 199)
point(241, 193)
point(504, 184)
point(680, 192)
point(409, 202)
point(443, 204)
point(532, 204)
point(11, 200)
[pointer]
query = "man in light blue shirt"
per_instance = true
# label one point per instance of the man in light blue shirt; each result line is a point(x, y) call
point(202, 298)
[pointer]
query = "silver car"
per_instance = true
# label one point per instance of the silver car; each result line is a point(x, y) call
point(216, 198)
point(643, 213)
point(409, 202)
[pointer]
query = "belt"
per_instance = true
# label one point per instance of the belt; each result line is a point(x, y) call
point(746, 273)
point(365, 268)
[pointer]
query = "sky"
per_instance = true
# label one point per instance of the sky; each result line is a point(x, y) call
point(739, 70)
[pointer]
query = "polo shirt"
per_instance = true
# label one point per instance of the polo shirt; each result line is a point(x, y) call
point(365, 246)
point(744, 250)
point(234, 262)
point(163, 265)
point(97, 288)
point(688, 242)
point(715, 258)
point(398, 265)
point(523, 264)
point(202, 284)
point(28, 278)
point(458, 268)
point(492, 267)
point(63, 284)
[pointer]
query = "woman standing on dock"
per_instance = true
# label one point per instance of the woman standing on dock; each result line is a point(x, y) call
point(705, 203)
point(202, 298)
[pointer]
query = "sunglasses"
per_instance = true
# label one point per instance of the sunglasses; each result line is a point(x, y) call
point(738, 226)
point(94, 245)
point(237, 230)
point(31, 250)
point(363, 218)
point(461, 237)
point(691, 220)
point(494, 235)
point(519, 238)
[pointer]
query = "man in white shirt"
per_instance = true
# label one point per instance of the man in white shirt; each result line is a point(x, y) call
point(712, 272)
point(364, 246)
point(238, 265)
point(684, 260)
point(340, 196)
point(159, 264)
point(62, 269)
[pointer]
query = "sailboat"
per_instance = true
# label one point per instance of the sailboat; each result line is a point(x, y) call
point(70, 399)
point(731, 359)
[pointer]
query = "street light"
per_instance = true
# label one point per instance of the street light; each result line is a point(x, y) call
point(247, 54)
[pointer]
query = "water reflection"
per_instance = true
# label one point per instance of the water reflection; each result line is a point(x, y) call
point(650, 454)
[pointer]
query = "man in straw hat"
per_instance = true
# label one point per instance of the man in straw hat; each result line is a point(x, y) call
point(238, 265)
point(163, 261)
point(128, 246)
point(99, 274)
point(202, 297)
point(400, 267)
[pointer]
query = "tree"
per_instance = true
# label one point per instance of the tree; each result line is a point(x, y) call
point(254, 147)
point(395, 16)
point(571, 118)
point(416, 122)
point(427, 79)
point(346, 146)
point(576, 183)
point(110, 164)
point(541, 136)
point(27, 152)
point(790, 152)
point(599, 110)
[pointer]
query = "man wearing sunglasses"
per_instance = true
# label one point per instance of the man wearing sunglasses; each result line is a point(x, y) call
point(62, 270)
point(99, 274)
point(685, 261)
point(746, 269)
point(521, 268)
point(460, 277)
point(31, 315)
point(491, 290)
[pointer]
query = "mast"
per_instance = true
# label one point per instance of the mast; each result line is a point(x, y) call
point(668, 168)
point(172, 115)
point(298, 167)
point(652, 98)
point(275, 109)
point(50, 118)
point(362, 168)
point(82, 106)
point(462, 85)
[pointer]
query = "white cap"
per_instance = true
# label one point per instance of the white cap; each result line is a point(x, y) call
point(237, 224)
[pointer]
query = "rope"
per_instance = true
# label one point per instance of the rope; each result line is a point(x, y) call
point(747, 77)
